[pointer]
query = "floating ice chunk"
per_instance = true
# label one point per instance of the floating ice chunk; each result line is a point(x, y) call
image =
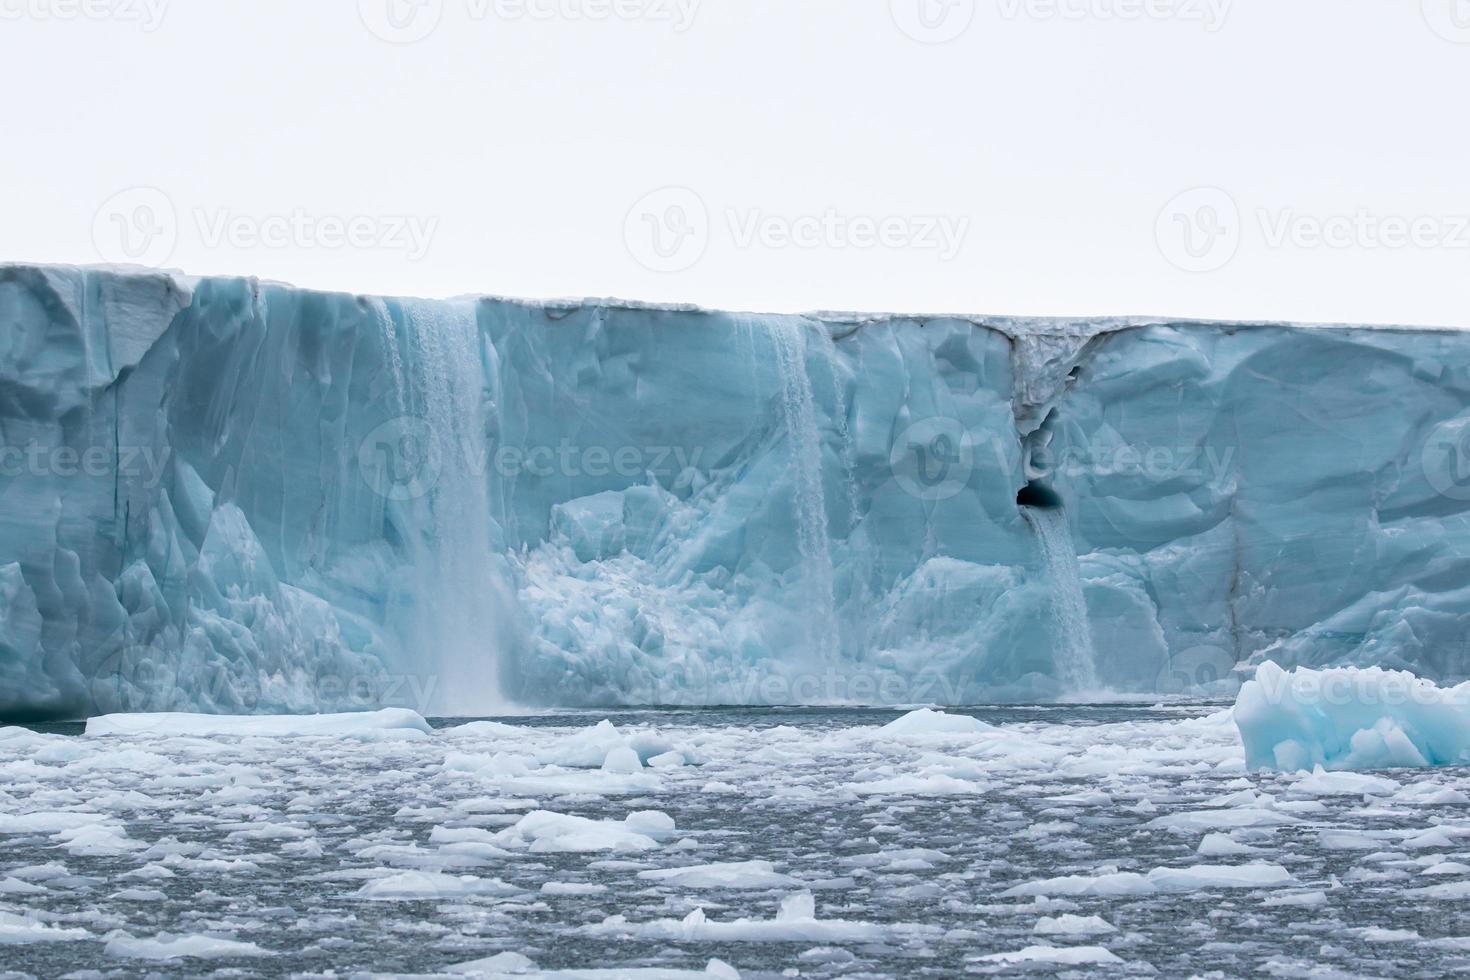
point(1204, 877)
point(926, 721)
point(1073, 925)
point(48, 821)
point(917, 784)
point(14, 886)
point(1066, 955)
point(16, 929)
point(1376, 934)
point(484, 729)
point(1310, 899)
point(411, 886)
point(166, 947)
point(739, 874)
point(883, 859)
point(1449, 890)
point(1351, 718)
point(517, 965)
point(499, 964)
point(97, 840)
point(796, 921)
point(365, 723)
point(571, 888)
point(1193, 821)
point(1323, 783)
point(622, 759)
point(545, 832)
point(1128, 884)
point(590, 748)
point(1222, 845)
point(139, 895)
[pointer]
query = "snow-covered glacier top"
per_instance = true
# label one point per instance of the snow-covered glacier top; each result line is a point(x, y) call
point(223, 494)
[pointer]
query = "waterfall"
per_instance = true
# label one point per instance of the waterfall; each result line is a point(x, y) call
point(798, 408)
point(844, 432)
point(465, 610)
point(395, 357)
point(1076, 662)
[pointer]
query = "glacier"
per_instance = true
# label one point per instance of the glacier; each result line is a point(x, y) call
point(224, 495)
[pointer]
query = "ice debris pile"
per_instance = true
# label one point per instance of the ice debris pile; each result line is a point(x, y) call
point(235, 496)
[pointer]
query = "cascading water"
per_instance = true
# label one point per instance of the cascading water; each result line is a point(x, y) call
point(798, 408)
point(395, 356)
point(465, 610)
point(1076, 661)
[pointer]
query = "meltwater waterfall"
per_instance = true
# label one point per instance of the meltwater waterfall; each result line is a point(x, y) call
point(464, 610)
point(1076, 661)
point(798, 407)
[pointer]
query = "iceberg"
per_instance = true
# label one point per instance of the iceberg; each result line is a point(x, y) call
point(228, 496)
point(1350, 718)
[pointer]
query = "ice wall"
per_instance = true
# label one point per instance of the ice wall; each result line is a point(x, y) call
point(225, 495)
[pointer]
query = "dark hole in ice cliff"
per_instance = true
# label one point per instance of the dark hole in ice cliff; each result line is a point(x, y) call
point(1039, 496)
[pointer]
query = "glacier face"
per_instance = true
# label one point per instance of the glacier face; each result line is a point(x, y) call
point(231, 496)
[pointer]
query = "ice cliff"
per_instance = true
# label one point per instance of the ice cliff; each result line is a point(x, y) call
point(232, 496)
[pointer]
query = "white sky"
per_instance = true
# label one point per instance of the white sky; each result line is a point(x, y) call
point(517, 144)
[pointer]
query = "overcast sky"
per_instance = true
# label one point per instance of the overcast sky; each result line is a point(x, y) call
point(1302, 160)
